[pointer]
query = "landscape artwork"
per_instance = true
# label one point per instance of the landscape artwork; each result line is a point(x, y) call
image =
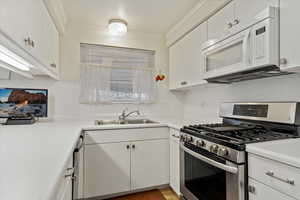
point(23, 102)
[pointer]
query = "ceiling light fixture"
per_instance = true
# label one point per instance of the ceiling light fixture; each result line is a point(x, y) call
point(117, 27)
point(13, 59)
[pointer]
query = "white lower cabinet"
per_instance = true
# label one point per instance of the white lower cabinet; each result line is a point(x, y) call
point(263, 192)
point(149, 163)
point(107, 169)
point(174, 161)
point(64, 186)
point(126, 165)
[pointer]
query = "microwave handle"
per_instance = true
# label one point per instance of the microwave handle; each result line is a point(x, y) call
point(246, 48)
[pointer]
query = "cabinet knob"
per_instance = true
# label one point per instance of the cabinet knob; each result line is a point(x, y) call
point(236, 21)
point(183, 83)
point(230, 25)
point(251, 189)
point(53, 65)
point(127, 146)
point(133, 146)
point(283, 61)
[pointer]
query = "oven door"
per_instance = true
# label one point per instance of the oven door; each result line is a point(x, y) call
point(205, 176)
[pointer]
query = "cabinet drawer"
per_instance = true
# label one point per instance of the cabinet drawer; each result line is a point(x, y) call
point(263, 192)
point(275, 174)
point(125, 135)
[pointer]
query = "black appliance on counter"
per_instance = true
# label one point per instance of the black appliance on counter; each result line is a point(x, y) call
point(213, 158)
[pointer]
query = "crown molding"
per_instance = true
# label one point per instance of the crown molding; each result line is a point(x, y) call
point(57, 12)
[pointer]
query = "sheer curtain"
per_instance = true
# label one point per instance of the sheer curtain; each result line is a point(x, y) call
point(116, 75)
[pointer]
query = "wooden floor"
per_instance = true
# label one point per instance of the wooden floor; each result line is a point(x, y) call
point(164, 194)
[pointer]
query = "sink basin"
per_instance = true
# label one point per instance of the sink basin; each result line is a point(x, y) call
point(124, 122)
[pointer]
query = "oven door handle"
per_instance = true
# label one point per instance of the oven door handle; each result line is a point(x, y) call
point(232, 170)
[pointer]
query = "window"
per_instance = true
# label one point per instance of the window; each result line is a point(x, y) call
point(116, 75)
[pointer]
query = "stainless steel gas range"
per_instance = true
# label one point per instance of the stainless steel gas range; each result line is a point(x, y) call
point(213, 160)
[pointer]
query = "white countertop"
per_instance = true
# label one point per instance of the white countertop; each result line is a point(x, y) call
point(32, 157)
point(285, 151)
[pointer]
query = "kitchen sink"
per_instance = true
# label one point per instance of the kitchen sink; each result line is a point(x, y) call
point(124, 122)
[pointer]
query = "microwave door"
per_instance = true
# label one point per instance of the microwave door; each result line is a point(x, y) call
point(228, 56)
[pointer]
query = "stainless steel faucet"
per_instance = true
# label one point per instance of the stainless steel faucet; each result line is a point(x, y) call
point(124, 115)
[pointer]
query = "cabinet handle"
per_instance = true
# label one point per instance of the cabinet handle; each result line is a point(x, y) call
point(272, 175)
point(175, 136)
point(283, 61)
point(53, 65)
point(236, 22)
point(32, 44)
point(133, 146)
point(27, 41)
point(230, 25)
point(127, 146)
point(183, 83)
point(251, 189)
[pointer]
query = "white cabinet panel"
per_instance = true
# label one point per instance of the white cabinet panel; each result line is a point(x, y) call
point(107, 169)
point(186, 59)
point(149, 163)
point(14, 20)
point(174, 161)
point(259, 168)
point(289, 34)
point(263, 192)
point(29, 19)
point(246, 10)
point(218, 24)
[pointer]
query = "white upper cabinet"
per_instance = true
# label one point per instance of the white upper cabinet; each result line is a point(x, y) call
point(31, 33)
point(186, 59)
point(289, 35)
point(221, 23)
point(235, 15)
point(246, 10)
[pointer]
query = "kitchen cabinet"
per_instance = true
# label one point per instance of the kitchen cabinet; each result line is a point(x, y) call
point(107, 169)
point(221, 23)
point(149, 163)
point(64, 186)
point(120, 160)
point(28, 25)
point(259, 191)
point(245, 10)
point(281, 177)
point(174, 161)
point(235, 15)
point(289, 35)
point(186, 59)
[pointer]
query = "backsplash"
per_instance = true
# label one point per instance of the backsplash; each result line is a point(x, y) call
point(202, 104)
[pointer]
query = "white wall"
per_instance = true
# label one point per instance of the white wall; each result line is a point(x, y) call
point(64, 101)
point(201, 105)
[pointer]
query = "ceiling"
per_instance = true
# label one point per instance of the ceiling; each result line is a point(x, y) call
point(151, 16)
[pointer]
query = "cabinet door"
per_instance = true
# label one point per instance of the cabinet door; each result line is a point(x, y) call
point(218, 24)
point(149, 163)
point(245, 10)
point(263, 192)
point(14, 20)
point(174, 161)
point(186, 59)
point(107, 169)
point(289, 33)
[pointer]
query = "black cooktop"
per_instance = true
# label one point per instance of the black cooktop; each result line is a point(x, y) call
point(236, 136)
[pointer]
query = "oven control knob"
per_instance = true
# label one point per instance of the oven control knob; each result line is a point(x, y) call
point(201, 143)
point(189, 139)
point(223, 152)
point(214, 148)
